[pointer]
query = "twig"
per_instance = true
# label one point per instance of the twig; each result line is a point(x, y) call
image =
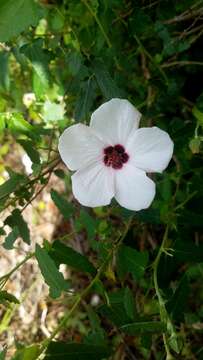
point(181, 63)
point(184, 16)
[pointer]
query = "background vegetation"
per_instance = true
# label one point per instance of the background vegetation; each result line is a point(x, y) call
point(132, 284)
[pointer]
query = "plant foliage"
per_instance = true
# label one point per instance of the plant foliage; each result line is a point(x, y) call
point(59, 60)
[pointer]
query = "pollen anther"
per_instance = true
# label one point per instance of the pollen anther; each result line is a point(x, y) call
point(115, 156)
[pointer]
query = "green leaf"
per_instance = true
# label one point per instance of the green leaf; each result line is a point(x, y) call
point(95, 321)
point(52, 276)
point(11, 185)
point(198, 115)
point(74, 61)
point(11, 238)
point(3, 355)
point(17, 123)
point(76, 351)
point(16, 16)
point(140, 22)
point(188, 252)
point(16, 220)
point(2, 231)
point(29, 353)
point(63, 254)
point(85, 100)
point(131, 261)
point(117, 311)
point(107, 85)
point(129, 303)
point(5, 296)
point(96, 338)
point(192, 219)
point(39, 59)
point(176, 305)
point(62, 204)
point(149, 216)
point(87, 222)
point(143, 327)
point(28, 146)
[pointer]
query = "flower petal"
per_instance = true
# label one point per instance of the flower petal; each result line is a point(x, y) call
point(79, 146)
point(93, 185)
point(150, 149)
point(134, 190)
point(115, 120)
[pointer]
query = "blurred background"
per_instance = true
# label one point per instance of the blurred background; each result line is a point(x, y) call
point(59, 60)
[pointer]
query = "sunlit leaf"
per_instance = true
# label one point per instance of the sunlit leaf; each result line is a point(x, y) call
point(52, 276)
point(16, 220)
point(62, 204)
point(64, 254)
point(5, 296)
point(17, 16)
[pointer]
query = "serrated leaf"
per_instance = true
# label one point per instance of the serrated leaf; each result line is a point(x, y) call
point(51, 274)
point(11, 238)
point(131, 261)
point(62, 204)
point(17, 123)
point(11, 185)
point(16, 16)
point(39, 59)
point(63, 254)
point(74, 61)
point(85, 100)
point(143, 327)
point(5, 296)
point(16, 220)
point(188, 252)
point(75, 351)
point(176, 305)
point(28, 146)
point(87, 222)
point(107, 85)
point(116, 310)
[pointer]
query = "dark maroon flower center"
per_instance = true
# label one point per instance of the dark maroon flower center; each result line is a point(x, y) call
point(115, 156)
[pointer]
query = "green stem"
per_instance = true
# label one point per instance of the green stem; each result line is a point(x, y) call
point(108, 41)
point(98, 23)
point(86, 291)
point(5, 277)
point(163, 312)
point(180, 206)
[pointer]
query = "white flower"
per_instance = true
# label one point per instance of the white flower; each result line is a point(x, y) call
point(111, 157)
point(29, 99)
